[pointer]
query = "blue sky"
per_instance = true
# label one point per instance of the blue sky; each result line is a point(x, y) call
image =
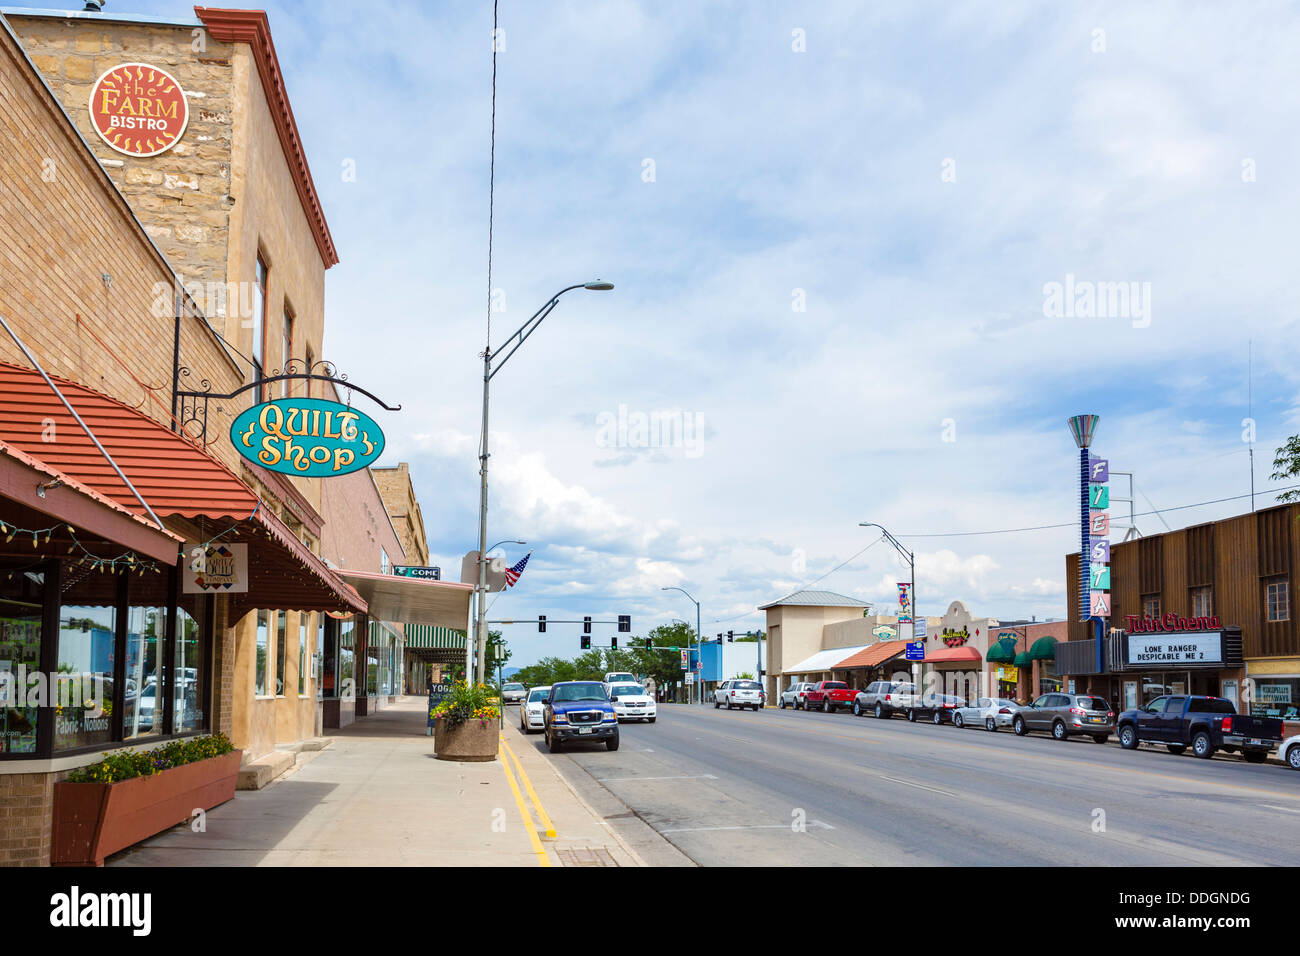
point(822, 171)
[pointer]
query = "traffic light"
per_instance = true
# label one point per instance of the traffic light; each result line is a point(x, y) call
point(730, 636)
point(541, 624)
point(625, 623)
point(586, 626)
point(719, 637)
point(586, 643)
point(613, 643)
point(649, 644)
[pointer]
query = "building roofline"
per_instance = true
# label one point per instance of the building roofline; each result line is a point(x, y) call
point(99, 17)
point(253, 27)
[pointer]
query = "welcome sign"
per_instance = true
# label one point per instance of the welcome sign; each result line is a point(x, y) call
point(307, 436)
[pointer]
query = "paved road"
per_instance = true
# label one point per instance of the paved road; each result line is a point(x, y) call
point(730, 788)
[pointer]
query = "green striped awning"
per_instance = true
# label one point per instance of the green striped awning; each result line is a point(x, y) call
point(1024, 660)
point(430, 635)
point(1003, 652)
point(1044, 649)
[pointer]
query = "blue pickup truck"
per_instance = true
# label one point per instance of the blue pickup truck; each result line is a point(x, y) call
point(579, 710)
point(1206, 724)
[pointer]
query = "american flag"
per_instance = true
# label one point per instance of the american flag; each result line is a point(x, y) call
point(513, 574)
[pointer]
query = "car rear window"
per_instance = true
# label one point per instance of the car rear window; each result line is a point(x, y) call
point(835, 685)
point(745, 685)
point(1213, 705)
point(1093, 703)
point(514, 687)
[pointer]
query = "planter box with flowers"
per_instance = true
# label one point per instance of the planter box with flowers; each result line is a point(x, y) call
point(131, 795)
point(467, 724)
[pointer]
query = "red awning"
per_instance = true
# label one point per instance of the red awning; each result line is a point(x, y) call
point(175, 476)
point(954, 655)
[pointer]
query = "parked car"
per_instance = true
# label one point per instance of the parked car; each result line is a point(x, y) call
point(739, 693)
point(531, 711)
point(936, 708)
point(1290, 752)
point(884, 698)
point(1206, 724)
point(631, 702)
point(1067, 715)
point(579, 710)
point(987, 712)
point(793, 696)
point(829, 695)
point(513, 693)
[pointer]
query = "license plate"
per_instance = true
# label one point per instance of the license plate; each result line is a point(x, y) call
point(1097, 720)
point(584, 730)
point(1258, 742)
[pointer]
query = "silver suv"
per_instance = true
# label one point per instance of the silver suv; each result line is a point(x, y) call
point(1067, 715)
point(792, 696)
point(885, 698)
point(739, 693)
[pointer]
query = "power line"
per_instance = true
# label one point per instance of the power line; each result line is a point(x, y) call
point(1074, 524)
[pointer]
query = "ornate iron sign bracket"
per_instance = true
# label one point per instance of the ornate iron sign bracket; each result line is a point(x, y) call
point(190, 407)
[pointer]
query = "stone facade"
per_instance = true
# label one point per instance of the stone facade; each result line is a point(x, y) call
point(399, 498)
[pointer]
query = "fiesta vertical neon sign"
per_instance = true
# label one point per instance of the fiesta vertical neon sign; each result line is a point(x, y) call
point(1083, 428)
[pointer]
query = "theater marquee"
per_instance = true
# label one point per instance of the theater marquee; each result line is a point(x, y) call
point(138, 109)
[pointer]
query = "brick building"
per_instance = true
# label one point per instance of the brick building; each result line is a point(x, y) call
point(129, 278)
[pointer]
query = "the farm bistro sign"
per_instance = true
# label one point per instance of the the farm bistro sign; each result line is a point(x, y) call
point(307, 436)
point(138, 109)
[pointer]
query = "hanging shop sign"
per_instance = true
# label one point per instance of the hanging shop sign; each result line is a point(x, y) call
point(307, 436)
point(216, 569)
point(1199, 647)
point(138, 109)
point(883, 632)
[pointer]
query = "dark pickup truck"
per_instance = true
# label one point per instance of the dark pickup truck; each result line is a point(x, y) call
point(1206, 724)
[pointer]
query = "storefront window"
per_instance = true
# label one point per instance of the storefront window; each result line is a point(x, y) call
point(22, 606)
point(327, 648)
point(86, 655)
point(281, 645)
point(302, 654)
point(142, 702)
point(263, 640)
point(1276, 697)
point(1048, 679)
point(188, 706)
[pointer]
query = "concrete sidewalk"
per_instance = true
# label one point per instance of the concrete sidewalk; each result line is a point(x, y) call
point(379, 797)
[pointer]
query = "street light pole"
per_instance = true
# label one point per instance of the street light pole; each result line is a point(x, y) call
point(489, 370)
point(698, 638)
point(911, 563)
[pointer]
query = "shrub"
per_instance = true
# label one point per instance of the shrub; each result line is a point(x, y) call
point(125, 764)
point(468, 702)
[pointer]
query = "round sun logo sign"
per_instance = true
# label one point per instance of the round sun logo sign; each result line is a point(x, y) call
point(138, 109)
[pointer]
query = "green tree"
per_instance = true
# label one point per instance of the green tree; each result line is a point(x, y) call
point(1287, 464)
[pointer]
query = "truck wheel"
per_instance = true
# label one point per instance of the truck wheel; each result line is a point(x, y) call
point(880, 711)
point(1202, 746)
point(826, 706)
point(612, 743)
point(1293, 757)
point(1176, 748)
point(1128, 737)
point(1018, 725)
point(958, 722)
point(911, 715)
point(1255, 756)
point(716, 705)
point(553, 743)
point(857, 709)
point(1058, 730)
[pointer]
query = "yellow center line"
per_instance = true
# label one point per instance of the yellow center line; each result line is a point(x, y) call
point(532, 794)
point(542, 858)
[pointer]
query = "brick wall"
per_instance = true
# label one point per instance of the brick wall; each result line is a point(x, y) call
point(26, 820)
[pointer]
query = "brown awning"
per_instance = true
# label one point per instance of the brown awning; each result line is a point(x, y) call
point(412, 600)
point(875, 655)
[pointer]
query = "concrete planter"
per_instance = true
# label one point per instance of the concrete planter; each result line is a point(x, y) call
point(94, 820)
point(470, 740)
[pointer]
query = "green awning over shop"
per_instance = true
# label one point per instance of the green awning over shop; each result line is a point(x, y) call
point(429, 635)
point(1003, 652)
point(1044, 649)
point(1024, 660)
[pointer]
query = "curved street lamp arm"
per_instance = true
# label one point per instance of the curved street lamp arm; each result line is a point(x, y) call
point(888, 537)
point(528, 328)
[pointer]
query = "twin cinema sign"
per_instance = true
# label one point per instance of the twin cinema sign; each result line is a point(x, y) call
point(138, 109)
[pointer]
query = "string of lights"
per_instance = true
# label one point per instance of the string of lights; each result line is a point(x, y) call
point(127, 560)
